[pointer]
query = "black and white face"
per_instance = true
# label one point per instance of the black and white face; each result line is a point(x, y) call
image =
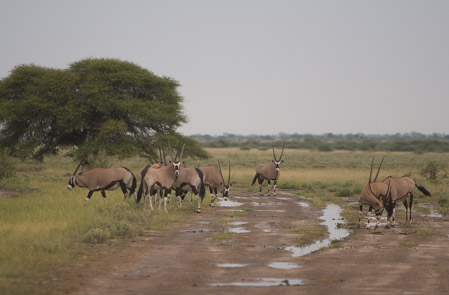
point(176, 166)
point(277, 164)
point(71, 183)
point(226, 190)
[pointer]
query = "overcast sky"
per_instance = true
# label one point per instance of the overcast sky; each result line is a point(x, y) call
point(258, 67)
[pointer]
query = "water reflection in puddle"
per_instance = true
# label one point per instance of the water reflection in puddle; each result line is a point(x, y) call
point(303, 204)
point(278, 211)
point(283, 199)
point(238, 230)
point(263, 282)
point(238, 223)
point(231, 265)
point(331, 217)
point(229, 203)
point(283, 265)
point(433, 214)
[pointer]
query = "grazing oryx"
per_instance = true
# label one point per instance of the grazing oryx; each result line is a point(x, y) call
point(213, 178)
point(269, 172)
point(187, 179)
point(101, 179)
point(402, 189)
point(376, 195)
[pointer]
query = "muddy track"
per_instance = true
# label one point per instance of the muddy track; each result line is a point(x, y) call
point(254, 259)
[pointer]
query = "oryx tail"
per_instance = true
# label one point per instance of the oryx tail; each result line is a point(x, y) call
point(202, 192)
point(423, 190)
point(142, 183)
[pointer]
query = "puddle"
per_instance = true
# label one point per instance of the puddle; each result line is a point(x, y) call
point(229, 203)
point(331, 216)
point(238, 223)
point(283, 199)
point(283, 265)
point(278, 211)
point(263, 282)
point(238, 230)
point(231, 265)
point(267, 231)
point(303, 204)
point(433, 214)
point(257, 204)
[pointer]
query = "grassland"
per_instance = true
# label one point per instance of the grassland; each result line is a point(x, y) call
point(45, 227)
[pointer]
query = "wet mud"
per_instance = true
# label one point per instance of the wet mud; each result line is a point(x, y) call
point(264, 253)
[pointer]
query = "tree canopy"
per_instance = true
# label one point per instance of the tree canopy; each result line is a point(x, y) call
point(95, 104)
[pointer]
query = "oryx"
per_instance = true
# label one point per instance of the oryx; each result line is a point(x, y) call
point(376, 195)
point(187, 179)
point(101, 179)
point(154, 177)
point(402, 189)
point(269, 172)
point(213, 178)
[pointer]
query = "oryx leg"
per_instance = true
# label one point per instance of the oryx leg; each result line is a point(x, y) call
point(104, 195)
point(150, 198)
point(274, 187)
point(178, 194)
point(269, 187)
point(165, 201)
point(260, 179)
point(411, 206)
point(213, 195)
point(200, 199)
point(125, 192)
point(88, 197)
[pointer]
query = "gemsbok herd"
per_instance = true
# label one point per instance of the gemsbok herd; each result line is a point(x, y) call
point(162, 178)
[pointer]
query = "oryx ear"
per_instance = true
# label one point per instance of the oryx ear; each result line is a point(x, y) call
point(169, 161)
point(272, 161)
point(230, 184)
point(184, 163)
point(282, 161)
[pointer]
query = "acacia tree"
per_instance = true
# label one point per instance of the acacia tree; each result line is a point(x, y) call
point(96, 104)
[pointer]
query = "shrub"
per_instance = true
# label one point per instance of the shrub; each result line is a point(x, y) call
point(96, 236)
point(7, 167)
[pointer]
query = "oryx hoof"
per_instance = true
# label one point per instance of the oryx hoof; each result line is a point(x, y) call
point(212, 205)
point(226, 199)
point(388, 226)
point(198, 210)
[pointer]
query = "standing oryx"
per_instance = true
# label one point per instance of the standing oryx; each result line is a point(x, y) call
point(187, 179)
point(269, 172)
point(154, 177)
point(402, 189)
point(213, 178)
point(376, 195)
point(101, 179)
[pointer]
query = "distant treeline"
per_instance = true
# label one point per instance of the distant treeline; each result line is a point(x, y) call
point(413, 142)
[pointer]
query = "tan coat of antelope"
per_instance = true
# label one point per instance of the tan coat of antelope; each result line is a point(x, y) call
point(269, 172)
point(102, 179)
point(403, 189)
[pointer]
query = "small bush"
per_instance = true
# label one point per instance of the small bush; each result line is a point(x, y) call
point(96, 236)
point(433, 171)
point(7, 167)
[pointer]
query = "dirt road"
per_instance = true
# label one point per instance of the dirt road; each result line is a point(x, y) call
point(257, 247)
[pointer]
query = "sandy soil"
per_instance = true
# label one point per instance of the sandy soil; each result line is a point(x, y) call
point(191, 259)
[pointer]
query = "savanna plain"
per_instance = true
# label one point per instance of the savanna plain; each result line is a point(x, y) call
point(52, 244)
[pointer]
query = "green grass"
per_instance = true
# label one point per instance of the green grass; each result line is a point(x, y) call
point(44, 226)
